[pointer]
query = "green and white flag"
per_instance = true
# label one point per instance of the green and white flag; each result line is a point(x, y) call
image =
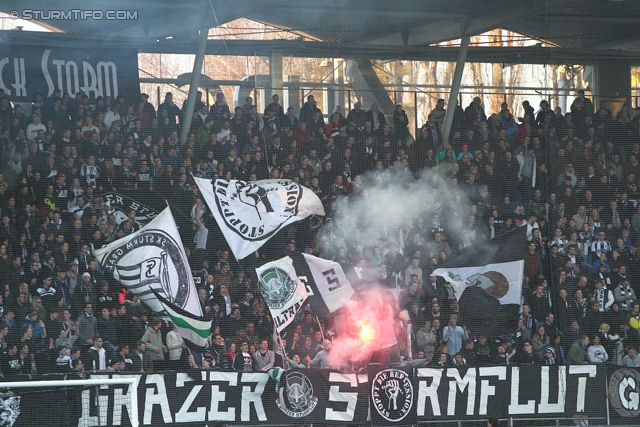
point(275, 374)
point(283, 292)
point(191, 328)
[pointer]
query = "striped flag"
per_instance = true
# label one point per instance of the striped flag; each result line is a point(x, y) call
point(153, 259)
point(276, 374)
point(191, 328)
point(133, 276)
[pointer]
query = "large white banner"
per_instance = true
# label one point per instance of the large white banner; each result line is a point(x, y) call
point(250, 213)
point(153, 258)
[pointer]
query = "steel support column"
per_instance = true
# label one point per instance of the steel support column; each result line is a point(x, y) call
point(455, 87)
point(275, 72)
point(193, 85)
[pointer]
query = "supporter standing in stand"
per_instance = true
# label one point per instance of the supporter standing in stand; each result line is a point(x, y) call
point(152, 339)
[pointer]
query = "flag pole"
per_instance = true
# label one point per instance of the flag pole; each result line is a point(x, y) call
point(280, 348)
point(319, 326)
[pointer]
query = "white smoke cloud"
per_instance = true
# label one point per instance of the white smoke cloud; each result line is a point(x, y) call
point(382, 202)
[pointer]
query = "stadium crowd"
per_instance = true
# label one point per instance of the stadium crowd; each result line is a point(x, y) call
point(571, 179)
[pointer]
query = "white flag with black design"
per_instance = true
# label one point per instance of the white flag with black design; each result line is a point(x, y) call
point(326, 283)
point(492, 278)
point(487, 281)
point(282, 290)
point(250, 213)
point(330, 283)
point(153, 259)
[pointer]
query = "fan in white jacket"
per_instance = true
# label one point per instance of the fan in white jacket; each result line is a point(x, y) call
point(175, 344)
point(596, 352)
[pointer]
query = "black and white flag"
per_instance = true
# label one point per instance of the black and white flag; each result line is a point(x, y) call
point(487, 280)
point(327, 286)
point(250, 213)
point(145, 210)
point(197, 398)
point(153, 259)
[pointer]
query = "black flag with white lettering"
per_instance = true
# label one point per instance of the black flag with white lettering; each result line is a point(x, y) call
point(26, 70)
point(146, 206)
point(526, 391)
point(303, 397)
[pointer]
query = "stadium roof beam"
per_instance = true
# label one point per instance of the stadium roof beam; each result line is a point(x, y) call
point(474, 20)
point(585, 18)
point(565, 23)
point(357, 51)
point(365, 13)
point(185, 19)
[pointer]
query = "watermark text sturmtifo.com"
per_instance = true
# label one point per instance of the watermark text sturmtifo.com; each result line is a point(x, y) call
point(74, 14)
